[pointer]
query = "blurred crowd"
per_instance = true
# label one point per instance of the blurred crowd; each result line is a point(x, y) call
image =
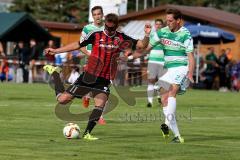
point(218, 72)
point(215, 72)
point(25, 63)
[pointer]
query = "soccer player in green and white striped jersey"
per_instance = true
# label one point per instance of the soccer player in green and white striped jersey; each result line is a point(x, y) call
point(97, 25)
point(179, 61)
point(155, 64)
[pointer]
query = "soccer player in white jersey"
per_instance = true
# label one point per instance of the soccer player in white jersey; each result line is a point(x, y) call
point(155, 65)
point(179, 62)
point(98, 24)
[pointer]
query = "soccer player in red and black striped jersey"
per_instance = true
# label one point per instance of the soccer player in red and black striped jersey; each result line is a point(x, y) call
point(100, 69)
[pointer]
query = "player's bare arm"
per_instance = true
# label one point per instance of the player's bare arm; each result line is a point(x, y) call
point(144, 42)
point(191, 66)
point(70, 47)
point(85, 51)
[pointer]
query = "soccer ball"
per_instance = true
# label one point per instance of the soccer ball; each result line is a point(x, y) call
point(71, 131)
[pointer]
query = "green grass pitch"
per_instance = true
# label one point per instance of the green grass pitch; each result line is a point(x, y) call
point(29, 128)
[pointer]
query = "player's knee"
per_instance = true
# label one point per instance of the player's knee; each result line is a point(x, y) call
point(173, 90)
point(164, 101)
point(64, 99)
point(151, 81)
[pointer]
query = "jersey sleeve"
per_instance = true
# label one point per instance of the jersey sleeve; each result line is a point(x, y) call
point(154, 39)
point(83, 34)
point(89, 39)
point(132, 40)
point(188, 44)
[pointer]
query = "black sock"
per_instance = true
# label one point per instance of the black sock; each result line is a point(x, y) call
point(57, 83)
point(93, 119)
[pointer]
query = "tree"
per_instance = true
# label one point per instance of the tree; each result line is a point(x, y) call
point(52, 10)
point(61, 10)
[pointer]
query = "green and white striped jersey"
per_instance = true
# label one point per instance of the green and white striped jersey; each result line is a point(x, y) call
point(176, 46)
point(86, 30)
point(156, 55)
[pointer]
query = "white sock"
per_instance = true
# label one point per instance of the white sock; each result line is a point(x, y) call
point(165, 112)
point(171, 115)
point(150, 93)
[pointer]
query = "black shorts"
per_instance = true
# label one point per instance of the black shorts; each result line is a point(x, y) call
point(89, 83)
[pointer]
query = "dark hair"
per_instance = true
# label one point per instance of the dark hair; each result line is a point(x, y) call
point(111, 17)
point(176, 13)
point(96, 7)
point(158, 20)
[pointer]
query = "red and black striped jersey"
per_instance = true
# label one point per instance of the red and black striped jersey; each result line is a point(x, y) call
point(105, 50)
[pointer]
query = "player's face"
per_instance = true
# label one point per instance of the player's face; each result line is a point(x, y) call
point(172, 23)
point(158, 25)
point(97, 16)
point(110, 28)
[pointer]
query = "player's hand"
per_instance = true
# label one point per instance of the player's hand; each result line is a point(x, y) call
point(122, 58)
point(147, 29)
point(50, 51)
point(190, 77)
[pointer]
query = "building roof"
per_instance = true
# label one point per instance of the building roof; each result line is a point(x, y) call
point(212, 15)
point(21, 27)
point(135, 28)
point(60, 25)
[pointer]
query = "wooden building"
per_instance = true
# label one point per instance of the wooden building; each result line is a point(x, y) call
point(68, 32)
point(203, 15)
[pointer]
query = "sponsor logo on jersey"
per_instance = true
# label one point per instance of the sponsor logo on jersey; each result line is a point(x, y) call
point(168, 42)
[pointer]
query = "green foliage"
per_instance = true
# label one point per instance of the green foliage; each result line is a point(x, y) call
point(59, 10)
point(52, 10)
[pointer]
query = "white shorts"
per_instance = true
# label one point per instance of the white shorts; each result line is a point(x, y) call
point(175, 75)
point(155, 70)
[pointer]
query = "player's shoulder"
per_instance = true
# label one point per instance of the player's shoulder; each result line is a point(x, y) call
point(88, 28)
point(93, 33)
point(164, 29)
point(185, 30)
point(121, 33)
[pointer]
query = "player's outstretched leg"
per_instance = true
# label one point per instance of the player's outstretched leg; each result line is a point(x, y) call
point(54, 72)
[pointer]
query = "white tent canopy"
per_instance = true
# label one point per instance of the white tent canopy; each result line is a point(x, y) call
point(135, 29)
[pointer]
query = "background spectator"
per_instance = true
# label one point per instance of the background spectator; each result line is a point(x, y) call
point(212, 66)
point(229, 54)
point(4, 71)
point(135, 72)
point(50, 58)
point(23, 55)
point(74, 75)
point(2, 54)
point(223, 62)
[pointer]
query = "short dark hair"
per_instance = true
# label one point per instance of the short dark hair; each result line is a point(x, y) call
point(96, 7)
point(176, 13)
point(158, 20)
point(111, 17)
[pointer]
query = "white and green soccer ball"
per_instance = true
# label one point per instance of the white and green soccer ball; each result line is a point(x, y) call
point(71, 131)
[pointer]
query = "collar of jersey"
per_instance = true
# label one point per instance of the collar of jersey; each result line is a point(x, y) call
point(177, 30)
point(108, 35)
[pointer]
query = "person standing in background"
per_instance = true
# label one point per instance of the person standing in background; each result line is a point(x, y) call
point(223, 62)
point(212, 66)
point(155, 65)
